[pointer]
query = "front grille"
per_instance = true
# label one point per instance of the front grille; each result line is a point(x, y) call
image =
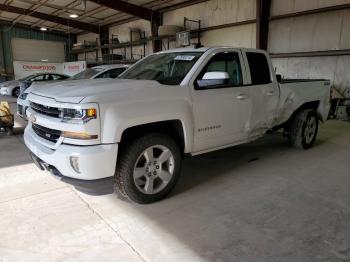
point(46, 110)
point(47, 133)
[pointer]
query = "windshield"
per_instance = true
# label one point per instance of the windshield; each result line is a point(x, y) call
point(86, 74)
point(166, 68)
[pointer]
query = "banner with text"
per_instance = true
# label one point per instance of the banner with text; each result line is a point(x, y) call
point(72, 68)
point(23, 69)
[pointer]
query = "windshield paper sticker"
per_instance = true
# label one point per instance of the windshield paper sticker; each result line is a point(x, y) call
point(184, 57)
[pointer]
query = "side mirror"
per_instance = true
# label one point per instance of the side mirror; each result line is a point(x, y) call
point(279, 78)
point(211, 79)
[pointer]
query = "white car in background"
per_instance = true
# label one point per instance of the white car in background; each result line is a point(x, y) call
point(102, 71)
point(12, 88)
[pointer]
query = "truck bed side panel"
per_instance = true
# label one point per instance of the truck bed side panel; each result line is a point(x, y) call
point(295, 94)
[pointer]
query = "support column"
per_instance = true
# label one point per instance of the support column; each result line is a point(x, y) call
point(263, 8)
point(155, 23)
point(104, 39)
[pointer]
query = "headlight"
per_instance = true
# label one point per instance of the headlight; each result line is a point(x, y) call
point(23, 96)
point(4, 90)
point(79, 115)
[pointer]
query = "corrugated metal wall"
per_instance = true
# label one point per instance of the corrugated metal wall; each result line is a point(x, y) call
point(211, 13)
point(219, 12)
point(316, 32)
point(7, 33)
point(326, 31)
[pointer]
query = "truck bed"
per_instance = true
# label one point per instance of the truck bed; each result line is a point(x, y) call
point(296, 92)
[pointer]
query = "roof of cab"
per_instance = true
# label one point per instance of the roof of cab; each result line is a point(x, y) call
point(106, 67)
point(186, 49)
point(204, 49)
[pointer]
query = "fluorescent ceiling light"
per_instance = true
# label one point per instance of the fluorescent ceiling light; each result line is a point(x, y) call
point(43, 28)
point(44, 60)
point(73, 16)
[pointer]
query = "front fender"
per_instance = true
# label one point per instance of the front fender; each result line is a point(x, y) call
point(118, 117)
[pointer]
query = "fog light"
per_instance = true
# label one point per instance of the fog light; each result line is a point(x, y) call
point(74, 162)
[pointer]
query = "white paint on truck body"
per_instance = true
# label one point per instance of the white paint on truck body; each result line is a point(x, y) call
point(211, 118)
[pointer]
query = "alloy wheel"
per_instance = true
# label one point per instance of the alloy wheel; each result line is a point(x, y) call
point(154, 169)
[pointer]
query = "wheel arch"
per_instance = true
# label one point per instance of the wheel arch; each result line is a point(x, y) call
point(308, 105)
point(175, 128)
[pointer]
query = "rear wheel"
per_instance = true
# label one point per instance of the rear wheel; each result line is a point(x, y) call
point(148, 168)
point(303, 129)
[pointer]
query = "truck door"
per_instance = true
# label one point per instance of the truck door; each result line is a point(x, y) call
point(264, 93)
point(220, 107)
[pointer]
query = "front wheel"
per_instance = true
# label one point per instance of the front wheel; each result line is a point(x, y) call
point(303, 129)
point(16, 92)
point(148, 168)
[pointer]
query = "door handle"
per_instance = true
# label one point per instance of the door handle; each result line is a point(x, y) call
point(242, 96)
point(270, 93)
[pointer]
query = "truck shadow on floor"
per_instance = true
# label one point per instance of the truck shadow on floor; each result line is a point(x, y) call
point(201, 169)
point(262, 201)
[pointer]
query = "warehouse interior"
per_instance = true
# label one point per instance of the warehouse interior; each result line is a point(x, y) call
point(257, 201)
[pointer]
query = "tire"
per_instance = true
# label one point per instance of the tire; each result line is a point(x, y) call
point(16, 92)
point(303, 129)
point(141, 175)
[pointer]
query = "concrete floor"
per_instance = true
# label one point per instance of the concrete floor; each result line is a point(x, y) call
point(259, 202)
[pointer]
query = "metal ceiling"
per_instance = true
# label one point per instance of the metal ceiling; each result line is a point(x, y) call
point(93, 13)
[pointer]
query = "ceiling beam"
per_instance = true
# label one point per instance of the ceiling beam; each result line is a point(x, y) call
point(51, 18)
point(28, 27)
point(32, 8)
point(135, 10)
point(138, 11)
point(58, 7)
point(62, 11)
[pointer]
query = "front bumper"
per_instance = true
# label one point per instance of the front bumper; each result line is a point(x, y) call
point(95, 187)
point(96, 163)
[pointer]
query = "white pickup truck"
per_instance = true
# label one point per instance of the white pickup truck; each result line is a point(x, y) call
point(129, 135)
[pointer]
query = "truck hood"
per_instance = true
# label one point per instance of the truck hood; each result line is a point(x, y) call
point(75, 91)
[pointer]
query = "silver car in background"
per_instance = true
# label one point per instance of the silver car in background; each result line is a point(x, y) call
point(102, 71)
point(12, 88)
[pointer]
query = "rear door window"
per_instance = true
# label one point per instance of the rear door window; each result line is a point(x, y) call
point(59, 77)
point(49, 77)
point(259, 68)
point(38, 78)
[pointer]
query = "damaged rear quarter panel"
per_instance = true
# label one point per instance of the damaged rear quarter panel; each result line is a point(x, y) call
point(294, 94)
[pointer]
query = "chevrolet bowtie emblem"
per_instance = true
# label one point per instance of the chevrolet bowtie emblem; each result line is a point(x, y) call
point(32, 118)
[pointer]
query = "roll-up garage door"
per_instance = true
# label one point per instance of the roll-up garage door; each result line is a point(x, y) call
point(37, 50)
